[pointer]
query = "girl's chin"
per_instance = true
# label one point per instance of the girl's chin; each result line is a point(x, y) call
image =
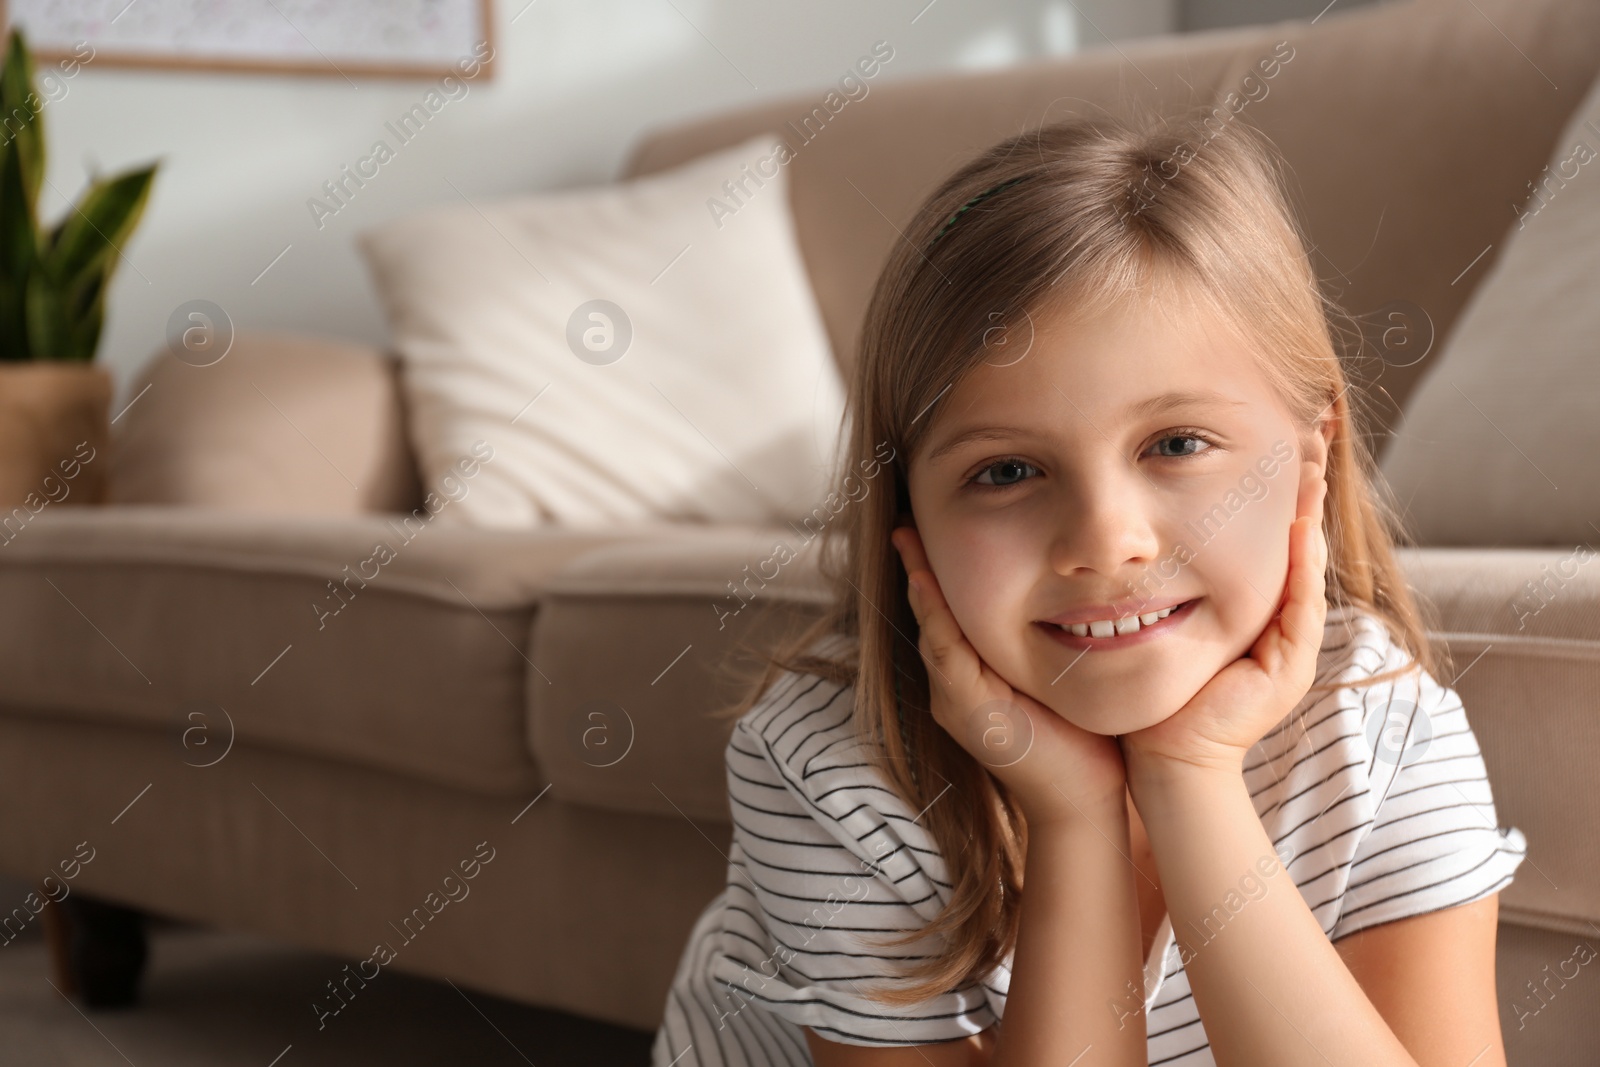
point(1112, 721)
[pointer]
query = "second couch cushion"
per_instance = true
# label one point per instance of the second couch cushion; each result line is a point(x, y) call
point(291, 632)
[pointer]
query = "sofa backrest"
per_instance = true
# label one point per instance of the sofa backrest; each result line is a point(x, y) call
point(1412, 130)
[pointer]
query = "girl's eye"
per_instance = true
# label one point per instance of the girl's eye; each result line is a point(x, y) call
point(1183, 435)
point(1008, 471)
point(1009, 466)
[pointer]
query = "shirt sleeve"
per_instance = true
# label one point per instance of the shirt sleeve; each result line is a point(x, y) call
point(825, 857)
point(1433, 838)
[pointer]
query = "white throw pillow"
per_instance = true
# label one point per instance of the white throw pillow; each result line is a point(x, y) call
point(703, 391)
point(1499, 441)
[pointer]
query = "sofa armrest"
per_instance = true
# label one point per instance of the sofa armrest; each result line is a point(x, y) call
point(639, 643)
point(1523, 629)
point(282, 423)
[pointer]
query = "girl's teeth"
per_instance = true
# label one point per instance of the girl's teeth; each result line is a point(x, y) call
point(1117, 627)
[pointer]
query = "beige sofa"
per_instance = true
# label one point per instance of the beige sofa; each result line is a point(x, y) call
point(169, 694)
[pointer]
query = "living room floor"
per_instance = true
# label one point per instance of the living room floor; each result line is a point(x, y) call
point(219, 999)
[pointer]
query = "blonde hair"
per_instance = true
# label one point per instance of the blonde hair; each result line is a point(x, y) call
point(1087, 212)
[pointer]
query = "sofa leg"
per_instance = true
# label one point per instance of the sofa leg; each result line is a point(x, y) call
point(97, 950)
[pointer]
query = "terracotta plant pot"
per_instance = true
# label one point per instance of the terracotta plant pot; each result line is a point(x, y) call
point(54, 437)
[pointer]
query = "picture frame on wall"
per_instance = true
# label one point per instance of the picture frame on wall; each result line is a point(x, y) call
point(349, 38)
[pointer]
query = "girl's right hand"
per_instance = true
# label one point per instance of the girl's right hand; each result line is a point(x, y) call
point(1057, 771)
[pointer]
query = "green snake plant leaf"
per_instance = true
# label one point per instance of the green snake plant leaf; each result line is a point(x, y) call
point(13, 323)
point(89, 239)
point(45, 311)
point(53, 286)
point(22, 161)
point(87, 310)
point(21, 169)
point(17, 253)
point(21, 123)
point(62, 326)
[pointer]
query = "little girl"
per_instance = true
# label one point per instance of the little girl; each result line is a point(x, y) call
point(1112, 750)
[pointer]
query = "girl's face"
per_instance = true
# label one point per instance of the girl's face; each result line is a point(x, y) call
point(1119, 467)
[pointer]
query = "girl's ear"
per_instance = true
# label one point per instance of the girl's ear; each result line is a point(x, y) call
point(1318, 443)
point(1313, 463)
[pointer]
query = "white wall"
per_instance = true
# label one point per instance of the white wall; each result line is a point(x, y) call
point(574, 86)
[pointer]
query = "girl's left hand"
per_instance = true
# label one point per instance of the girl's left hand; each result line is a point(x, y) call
point(1253, 693)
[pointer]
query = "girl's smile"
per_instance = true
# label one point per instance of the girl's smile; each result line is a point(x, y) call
point(1108, 635)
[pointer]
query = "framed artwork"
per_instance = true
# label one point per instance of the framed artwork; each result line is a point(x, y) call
point(372, 38)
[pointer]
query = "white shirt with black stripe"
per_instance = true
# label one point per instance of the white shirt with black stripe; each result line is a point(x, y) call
point(1374, 796)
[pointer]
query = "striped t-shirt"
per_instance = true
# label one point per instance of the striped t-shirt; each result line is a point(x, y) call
point(1374, 796)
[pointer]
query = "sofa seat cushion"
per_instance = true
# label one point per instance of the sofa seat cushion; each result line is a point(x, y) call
point(644, 642)
point(221, 626)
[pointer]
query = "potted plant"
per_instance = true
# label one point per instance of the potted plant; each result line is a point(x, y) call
point(54, 401)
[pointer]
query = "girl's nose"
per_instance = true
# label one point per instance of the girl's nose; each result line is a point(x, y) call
point(1106, 524)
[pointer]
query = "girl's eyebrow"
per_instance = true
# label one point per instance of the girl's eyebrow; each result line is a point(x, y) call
point(1139, 409)
point(1178, 398)
point(982, 433)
